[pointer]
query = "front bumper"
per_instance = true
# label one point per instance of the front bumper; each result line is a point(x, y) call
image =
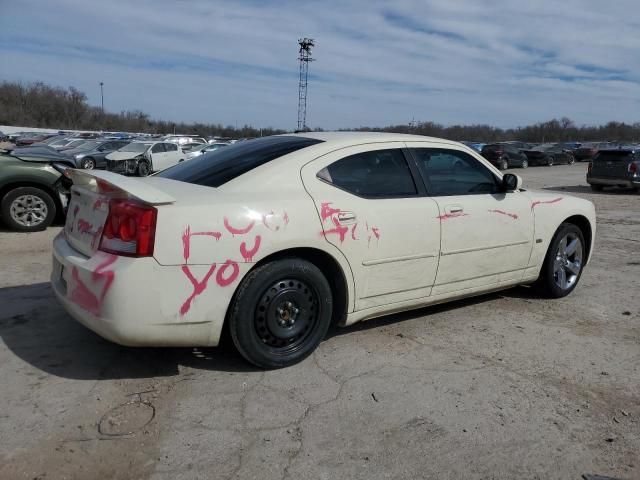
point(135, 301)
point(614, 182)
point(124, 167)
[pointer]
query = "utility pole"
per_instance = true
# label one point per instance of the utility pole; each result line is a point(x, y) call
point(306, 44)
point(102, 96)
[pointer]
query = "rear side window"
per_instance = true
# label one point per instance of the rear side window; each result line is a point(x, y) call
point(379, 173)
point(171, 147)
point(158, 148)
point(216, 168)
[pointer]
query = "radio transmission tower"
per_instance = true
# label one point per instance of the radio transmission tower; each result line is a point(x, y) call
point(306, 44)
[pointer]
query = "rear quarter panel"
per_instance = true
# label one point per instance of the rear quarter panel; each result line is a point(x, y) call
point(223, 232)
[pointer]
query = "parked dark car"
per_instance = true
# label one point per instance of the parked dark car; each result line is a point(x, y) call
point(91, 154)
point(35, 138)
point(3, 136)
point(33, 189)
point(504, 155)
point(618, 167)
point(550, 154)
point(588, 151)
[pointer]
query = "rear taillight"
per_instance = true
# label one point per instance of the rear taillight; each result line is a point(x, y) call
point(589, 167)
point(633, 167)
point(130, 229)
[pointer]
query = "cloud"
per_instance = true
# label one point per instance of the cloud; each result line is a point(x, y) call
point(378, 63)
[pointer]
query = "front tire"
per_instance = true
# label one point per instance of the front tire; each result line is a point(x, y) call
point(550, 161)
point(143, 168)
point(524, 164)
point(28, 209)
point(563, 263)
point(503, 164)
point(280, 313)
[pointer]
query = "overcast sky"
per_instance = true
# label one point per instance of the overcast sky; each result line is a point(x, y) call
point(501, 62)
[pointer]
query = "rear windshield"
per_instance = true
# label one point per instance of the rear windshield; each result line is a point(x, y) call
point(222, 165)
point(614, 156)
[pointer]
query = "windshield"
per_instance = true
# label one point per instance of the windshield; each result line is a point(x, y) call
point(217, 167)
point(545, 146)
point(135, 147)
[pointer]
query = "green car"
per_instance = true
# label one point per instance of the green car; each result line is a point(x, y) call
point(34, 190)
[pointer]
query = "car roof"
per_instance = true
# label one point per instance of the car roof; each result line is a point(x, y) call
point(338, 139)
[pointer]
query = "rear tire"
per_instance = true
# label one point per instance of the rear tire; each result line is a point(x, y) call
point(524, 164)
point(28, 209)
point(557, 279)
point(88, 163)
point(503, 164)
point(280, 313)
point(596, 188)
point(550, 161)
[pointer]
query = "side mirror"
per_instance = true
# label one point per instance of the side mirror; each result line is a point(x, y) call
point(511, 182)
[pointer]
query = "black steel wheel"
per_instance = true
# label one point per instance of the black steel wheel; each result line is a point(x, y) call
point(280, 313)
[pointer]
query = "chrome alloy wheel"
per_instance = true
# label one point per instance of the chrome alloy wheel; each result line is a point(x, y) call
point(568, 261)
point(28, 210)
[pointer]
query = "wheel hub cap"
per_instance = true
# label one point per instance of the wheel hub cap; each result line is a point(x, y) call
point(28, 210)
point(286, 314)
point(568, 261)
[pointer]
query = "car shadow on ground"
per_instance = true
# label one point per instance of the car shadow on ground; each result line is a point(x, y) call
point(37, 330)
point(587, 189)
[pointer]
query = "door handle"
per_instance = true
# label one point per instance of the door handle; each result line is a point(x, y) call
point(453, 209)
point(346, 217)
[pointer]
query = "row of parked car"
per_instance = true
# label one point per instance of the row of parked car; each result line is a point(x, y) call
point(522, 155)
point(34, 177)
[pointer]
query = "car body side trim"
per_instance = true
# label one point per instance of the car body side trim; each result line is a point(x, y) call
point(476, 249)
point(380, 261)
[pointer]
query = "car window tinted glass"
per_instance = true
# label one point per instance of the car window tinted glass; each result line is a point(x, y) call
point(213, 169)
point(452, 172)
point(171, 147)
point(379, 173)
point(158, 148)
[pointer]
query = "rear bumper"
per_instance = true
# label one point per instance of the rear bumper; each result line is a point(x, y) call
point(135, 301)
point(616, 182)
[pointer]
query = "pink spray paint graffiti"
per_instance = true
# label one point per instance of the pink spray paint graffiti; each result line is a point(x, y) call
point(327, 212)
point(83, 295)
point(502, 212)
point(249, 254)
point(186, 240)
point(547, 202)
point(447, 216)
point(199, 286)
point(238, 231)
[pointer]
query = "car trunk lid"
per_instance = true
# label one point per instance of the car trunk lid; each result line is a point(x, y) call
point(89, 205)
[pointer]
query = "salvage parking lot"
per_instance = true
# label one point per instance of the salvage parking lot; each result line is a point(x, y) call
point(506, 385)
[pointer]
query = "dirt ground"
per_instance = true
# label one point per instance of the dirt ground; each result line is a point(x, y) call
point(502, 386)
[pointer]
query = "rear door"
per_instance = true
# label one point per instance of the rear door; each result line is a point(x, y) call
point(374, 211)
point(174, 154)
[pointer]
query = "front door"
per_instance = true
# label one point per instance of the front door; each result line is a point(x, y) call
point(486, 234)
point(372, 208)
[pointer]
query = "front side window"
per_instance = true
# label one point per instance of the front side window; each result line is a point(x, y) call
point(379, 173)
point(452, 172)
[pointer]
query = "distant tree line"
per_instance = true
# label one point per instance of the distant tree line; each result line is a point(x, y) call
point(42, 106)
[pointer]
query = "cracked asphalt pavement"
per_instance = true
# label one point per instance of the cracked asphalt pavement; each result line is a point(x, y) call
point(506, 385)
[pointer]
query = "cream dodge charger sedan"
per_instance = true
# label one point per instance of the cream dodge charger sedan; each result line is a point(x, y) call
point(276, 238)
